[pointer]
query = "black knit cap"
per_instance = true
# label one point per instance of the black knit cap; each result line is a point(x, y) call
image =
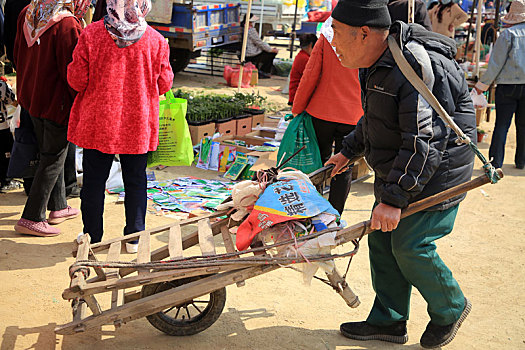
point(359, 13)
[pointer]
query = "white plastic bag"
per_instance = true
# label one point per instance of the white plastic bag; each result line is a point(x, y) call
point(479, 100)
point(15, 120)
point(115, 176)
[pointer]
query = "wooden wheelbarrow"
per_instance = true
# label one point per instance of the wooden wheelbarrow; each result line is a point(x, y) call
point(184, 296)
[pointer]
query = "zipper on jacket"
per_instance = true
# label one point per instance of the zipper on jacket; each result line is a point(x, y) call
point(382, 92)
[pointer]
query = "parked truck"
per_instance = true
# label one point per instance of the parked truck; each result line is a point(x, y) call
point(277, 15)
point(191, 27)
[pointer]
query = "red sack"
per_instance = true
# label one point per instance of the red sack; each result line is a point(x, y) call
point(318, 16)
point(231, 75)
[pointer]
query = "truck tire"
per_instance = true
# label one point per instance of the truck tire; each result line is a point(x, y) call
point(169, 321)
point(179, 59)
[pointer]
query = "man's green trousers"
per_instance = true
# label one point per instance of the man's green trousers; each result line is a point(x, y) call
point(407, 257)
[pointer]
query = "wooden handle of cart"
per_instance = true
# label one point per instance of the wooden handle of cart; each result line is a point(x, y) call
point(355, 231)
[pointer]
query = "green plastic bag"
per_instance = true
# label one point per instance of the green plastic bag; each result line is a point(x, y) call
point(301, 132)
point(175, 147)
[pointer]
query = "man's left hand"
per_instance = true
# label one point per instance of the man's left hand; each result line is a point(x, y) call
point(385, 217)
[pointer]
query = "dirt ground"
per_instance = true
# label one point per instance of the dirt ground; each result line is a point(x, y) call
point(276, 311)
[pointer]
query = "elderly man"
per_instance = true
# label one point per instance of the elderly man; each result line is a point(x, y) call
point(414, 155)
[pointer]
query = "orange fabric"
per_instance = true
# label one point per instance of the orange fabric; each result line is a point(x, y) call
point(328, 90)
point(299, 64)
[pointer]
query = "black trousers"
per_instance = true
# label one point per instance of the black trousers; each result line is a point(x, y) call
point(6, 144)
point(70, 172)
point(328, 134)
point(510, 102)
point(263, 61)
point(96, 166)
point(48, 189)
point(70, 169)
point(25, 135)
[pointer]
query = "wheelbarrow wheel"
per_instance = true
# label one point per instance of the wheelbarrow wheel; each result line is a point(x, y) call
point(191, 317)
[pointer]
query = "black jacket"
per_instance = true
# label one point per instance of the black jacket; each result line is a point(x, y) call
point(398, 10)
point(403, 139)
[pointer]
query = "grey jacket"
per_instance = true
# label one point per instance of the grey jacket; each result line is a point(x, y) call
point(507, 61)
point(255, 45)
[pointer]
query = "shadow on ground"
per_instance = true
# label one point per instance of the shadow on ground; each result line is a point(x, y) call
point(232, 334)
point(32, 255)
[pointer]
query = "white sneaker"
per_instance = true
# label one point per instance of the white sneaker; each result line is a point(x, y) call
point(132, 248)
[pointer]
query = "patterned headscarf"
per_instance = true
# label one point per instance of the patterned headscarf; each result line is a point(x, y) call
point(42, 14)
point(126, 20)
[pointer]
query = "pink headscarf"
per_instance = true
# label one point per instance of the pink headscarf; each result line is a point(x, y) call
point(43, 14)
point(126, 20)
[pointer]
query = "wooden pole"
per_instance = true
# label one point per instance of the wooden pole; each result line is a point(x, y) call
point(477, 43)
point(244, 42)
point(411, 10)
point(261, 19)
point(491, 87)
point(469, 30)
point(496, 19)
point(293, 35)
point(355, 231)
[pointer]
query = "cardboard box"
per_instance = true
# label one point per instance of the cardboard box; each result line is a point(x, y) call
point(250, 141)
point(255, 77)
point(257, 119)
point(227, 128)
point(197, 132)
point(265, 134)
point(272, 122)
point(268, 155)
point(263, 164)
point(360, 169)
point(244, 126)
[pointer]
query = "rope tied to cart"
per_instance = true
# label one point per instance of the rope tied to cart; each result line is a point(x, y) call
point(226, 258)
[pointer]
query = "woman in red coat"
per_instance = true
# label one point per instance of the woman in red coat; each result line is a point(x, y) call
point(331, 94)
point(47, 32)
point(307, 43)
point(120, 67)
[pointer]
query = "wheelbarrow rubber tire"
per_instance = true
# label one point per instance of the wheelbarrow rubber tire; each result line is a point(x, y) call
point(195, 325)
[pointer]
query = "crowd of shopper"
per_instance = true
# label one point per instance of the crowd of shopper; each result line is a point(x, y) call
point(96, 86)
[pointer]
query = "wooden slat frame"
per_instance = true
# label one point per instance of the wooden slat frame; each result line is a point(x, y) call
point(160, 301)
point(175, 242)
point(187, 242)
point(144, 252)
point(117, 295)
point(206, 241)
point(153, 277)
point(228, 244)
point(97, 247)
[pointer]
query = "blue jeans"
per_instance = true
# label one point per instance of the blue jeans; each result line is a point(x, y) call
point(510, 100)
point(96, 166)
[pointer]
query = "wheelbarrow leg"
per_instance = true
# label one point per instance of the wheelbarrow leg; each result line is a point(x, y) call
point(342, 288)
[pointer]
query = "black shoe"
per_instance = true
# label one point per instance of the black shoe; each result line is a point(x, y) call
point(396, 333)
point(436, 336)
point(264, 75)
point(520, 166)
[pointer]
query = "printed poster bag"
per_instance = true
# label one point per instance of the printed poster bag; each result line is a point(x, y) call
point(282, 201)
